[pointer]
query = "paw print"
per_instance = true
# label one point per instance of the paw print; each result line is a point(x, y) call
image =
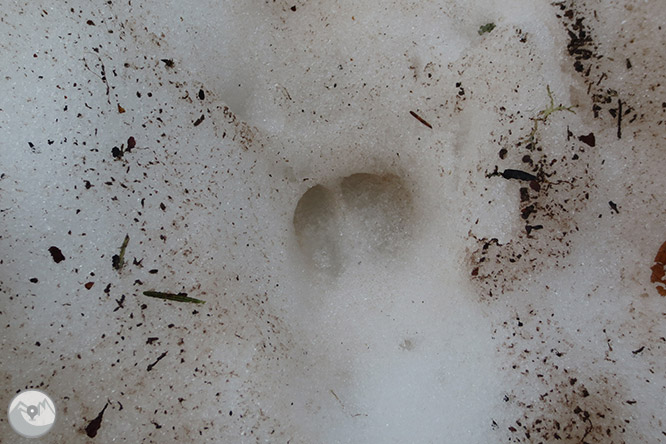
point(360, 217)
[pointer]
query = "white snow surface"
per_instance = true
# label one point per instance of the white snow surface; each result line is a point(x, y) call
point(336, 180)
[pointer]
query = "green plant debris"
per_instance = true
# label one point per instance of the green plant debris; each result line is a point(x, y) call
point(179, 297)
point(118, 260)
point(486, 28)
point(543, 115)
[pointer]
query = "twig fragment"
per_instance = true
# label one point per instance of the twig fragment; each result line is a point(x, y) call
point(619, 118)
point(420, 119)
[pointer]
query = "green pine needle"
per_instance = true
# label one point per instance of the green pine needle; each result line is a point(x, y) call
point(180, 297)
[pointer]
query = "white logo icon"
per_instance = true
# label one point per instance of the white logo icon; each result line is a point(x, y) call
point(31, 414)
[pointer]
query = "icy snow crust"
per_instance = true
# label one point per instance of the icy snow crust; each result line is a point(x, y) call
point(331, 179)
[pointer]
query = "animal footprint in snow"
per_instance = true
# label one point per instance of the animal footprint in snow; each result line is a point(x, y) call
point(360, 217)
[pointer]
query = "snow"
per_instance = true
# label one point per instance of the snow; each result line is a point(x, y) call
point(335, 195)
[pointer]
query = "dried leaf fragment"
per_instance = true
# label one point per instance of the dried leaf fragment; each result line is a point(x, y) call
point(658, 270)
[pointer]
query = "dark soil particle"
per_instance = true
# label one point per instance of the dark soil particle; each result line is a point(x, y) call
point(589, 139)
point(637, 351)
point(527, 211)
point(518, 174)
point(117, 153)
point(535, 186)
point(56, 254)
point(529, 228)
point(93, 427)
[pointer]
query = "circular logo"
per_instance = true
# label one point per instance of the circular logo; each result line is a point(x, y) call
point(31, 413)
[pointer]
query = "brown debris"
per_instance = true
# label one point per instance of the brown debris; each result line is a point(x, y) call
point(95, 424)
point(159, 358)
point(589, 139)
point(56, 254)
point(420, 119)
point(619, 119)
point(658, 271)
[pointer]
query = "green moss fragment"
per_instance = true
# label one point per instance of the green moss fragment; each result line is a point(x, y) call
point(118, 260)
point(543, 115)
point(486, 28)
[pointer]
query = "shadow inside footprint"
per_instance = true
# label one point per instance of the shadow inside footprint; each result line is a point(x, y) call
point(365, 217)
point(378, 210)
point(317, 229)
